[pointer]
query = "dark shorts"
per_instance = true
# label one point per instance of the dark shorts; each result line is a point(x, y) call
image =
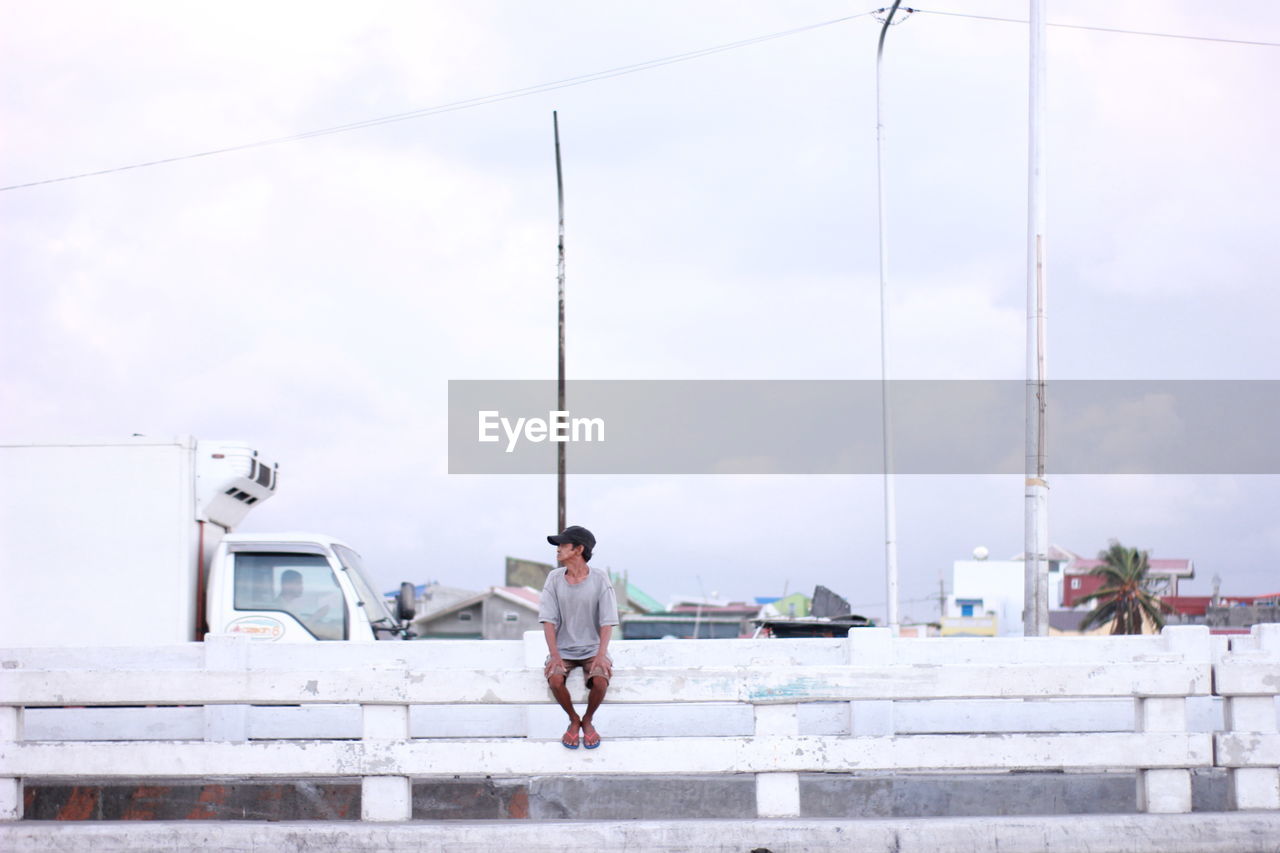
point(605, 672)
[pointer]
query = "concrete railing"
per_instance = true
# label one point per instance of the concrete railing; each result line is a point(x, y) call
point(476, 708)
point(1248, 679)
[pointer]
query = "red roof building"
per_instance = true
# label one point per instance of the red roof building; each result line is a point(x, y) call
point(1164, 573)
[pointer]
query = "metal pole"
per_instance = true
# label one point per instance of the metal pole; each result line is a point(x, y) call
point(1035, 616)
point(890, 510)
point(560, 446)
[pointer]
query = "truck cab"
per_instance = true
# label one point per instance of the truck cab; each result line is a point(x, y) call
point(298, 587)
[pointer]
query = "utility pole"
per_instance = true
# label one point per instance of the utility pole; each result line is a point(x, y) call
point(1035, 614)
point(886, 423)
point(560, 445)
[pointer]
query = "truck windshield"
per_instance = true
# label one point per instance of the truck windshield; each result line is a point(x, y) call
point(302, 585)
point(375, 606)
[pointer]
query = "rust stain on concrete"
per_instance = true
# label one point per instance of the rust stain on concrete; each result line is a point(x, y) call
point(210, 797)
point(80, 805)
point(143, 802)
point(518, 805)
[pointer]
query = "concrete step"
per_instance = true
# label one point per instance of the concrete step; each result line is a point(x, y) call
point(1207, 832)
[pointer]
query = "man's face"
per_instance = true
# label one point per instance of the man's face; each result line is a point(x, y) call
point(290, 588)
point(565, 551)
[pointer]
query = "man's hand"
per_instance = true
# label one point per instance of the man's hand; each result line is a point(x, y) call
point(600, 663)
point(555, 666)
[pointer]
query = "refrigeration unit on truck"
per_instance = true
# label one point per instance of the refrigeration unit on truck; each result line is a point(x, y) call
point(129, 542)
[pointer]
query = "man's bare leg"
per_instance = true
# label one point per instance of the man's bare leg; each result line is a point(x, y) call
point(599, 687)
point(561, 694)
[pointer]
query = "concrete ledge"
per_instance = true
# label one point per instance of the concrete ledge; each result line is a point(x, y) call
point(1206, 832)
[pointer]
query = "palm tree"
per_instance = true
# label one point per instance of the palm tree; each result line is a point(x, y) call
point(1125, 598)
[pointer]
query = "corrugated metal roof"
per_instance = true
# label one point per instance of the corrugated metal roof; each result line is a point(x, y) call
point(520, 594)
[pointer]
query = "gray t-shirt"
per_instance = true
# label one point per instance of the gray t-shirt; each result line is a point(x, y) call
point(578, 611)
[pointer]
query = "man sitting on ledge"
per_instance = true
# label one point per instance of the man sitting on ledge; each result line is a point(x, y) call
point(578, 613)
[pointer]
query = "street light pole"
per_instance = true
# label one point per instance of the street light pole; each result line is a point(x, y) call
point(560, 455)
point(1035, 615)
point(886, 423)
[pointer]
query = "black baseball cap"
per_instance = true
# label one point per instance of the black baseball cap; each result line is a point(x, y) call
point(574, 535)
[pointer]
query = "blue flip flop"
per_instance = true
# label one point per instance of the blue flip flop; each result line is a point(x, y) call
point(595, 745)
point(570, 745)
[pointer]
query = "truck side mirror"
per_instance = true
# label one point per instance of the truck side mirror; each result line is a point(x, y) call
point(405, 602)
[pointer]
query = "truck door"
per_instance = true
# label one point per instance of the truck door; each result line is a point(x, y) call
point(373, 617)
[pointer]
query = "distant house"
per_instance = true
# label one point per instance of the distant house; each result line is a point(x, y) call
point(1077, 583)
point(826, 614)
point(987, 595)
point(1224, 614)
point(436, 596)
point(793, 606)
point(684, 626)
point(987, 625)
point(499, 613)
point(692, 619)
point(631, 598)
point(986, 599)
point(506, 612)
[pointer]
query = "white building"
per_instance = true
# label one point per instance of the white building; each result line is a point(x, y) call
point(982, 588)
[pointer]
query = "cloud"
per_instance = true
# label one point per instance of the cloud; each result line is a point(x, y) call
point(315, 297)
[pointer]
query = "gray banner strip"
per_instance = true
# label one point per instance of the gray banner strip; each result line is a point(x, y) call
point(834, 427)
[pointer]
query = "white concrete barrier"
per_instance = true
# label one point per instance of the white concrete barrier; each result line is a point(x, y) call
point(1248, 679)
point(389, 712)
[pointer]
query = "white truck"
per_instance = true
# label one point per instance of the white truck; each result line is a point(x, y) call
point(129, 542)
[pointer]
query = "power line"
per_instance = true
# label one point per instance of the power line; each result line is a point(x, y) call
point(580, 80)
point(469, 103)
point(1103, 29)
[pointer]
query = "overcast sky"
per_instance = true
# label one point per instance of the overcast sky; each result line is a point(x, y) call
point(314, 297)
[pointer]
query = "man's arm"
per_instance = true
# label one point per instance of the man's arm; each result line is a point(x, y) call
point(607, 613)
point(601, 658)
point(556, 662)
point(549, 616)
